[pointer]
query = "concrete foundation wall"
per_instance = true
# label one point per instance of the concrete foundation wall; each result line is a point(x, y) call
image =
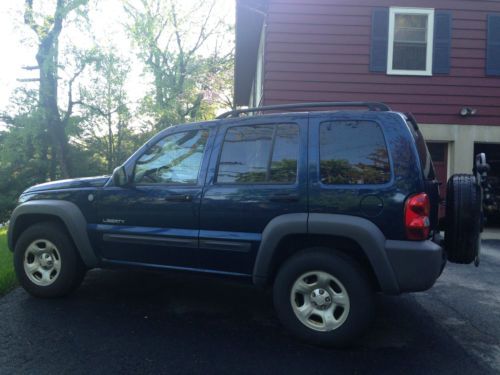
point(460, 139)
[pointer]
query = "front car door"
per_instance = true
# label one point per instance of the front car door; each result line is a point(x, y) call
point(154, 220)
point(256, 173)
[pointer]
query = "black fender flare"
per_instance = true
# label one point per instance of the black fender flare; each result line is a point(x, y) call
point(362, 231)
point(69, 214)
point(277, 229)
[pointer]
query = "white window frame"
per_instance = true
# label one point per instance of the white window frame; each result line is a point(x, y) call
point(430, 40)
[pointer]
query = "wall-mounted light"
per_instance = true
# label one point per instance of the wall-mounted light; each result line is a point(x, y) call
point(467, 111)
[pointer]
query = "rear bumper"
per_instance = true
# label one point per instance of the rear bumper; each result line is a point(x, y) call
point(416, 264)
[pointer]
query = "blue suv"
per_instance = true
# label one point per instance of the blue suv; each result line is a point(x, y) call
point(325, 207)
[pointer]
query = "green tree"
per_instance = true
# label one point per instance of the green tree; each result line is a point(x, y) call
point(184, 50)
point(106, 128)
point(47, 29)
point(75, 118)
point(24, 160)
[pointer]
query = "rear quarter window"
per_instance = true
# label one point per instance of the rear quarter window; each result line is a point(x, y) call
point(353, 153)
point(423, 152)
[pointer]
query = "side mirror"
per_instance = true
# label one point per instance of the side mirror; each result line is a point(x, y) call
point(120, 177)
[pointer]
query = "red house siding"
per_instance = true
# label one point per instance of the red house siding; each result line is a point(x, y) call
point(319, 50)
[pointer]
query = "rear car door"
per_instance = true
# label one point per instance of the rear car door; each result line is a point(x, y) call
point(256, 173)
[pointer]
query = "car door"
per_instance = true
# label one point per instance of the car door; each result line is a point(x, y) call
point(154, 220)
point(256, 172)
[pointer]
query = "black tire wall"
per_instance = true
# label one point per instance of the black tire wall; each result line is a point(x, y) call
point(463, 219)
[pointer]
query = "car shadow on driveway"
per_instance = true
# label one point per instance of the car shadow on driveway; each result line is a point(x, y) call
point(145, 322)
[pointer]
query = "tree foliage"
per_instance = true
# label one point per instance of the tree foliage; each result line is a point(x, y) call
point(77, 118)
point(186, 84)
point(105, 107)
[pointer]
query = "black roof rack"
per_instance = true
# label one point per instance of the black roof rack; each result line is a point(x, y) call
point(372, 106)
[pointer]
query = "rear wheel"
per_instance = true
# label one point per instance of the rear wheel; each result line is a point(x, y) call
point(463, 219)
point(323, 297)
point(46, 261)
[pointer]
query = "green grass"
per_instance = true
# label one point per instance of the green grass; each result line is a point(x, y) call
point(7, 277)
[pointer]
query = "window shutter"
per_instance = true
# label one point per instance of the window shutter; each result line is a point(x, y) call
point(493, 46)
point(442, 43)
point(380, 39)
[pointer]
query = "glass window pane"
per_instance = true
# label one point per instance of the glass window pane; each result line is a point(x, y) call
point(417, 21)
point(423, 152)
point(353, 153)
point(245, 154)
point(410, 42)
point(175, 159)
point(409, 56)
point(410, 35)
point(285, 154)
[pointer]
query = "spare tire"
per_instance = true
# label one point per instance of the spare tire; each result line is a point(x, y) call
point(463, 219)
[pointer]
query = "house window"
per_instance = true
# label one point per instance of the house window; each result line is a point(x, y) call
point(410, 41)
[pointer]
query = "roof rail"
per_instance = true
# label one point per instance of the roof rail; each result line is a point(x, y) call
point(372, 106)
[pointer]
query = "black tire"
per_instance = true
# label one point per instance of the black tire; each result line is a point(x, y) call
point(72, 270)
point(352, 277)
point(463, 219)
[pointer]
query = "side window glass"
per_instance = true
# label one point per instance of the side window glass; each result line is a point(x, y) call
point(175, 159)
point(286, 150)
point(423, 152)
point(245, 154)
point(353, 153)
point(259, 154)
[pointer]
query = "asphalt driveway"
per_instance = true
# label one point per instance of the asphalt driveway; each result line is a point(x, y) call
point(140, 322)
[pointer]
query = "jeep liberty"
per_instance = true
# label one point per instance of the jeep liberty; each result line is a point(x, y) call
point(325, 207)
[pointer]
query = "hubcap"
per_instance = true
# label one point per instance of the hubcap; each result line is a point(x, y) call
point(46, 260)
point(320, 301)
point(42, 262)
point(321, 298)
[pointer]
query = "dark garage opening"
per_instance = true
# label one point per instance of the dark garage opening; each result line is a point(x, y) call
point(492, 151)
point(439, 155)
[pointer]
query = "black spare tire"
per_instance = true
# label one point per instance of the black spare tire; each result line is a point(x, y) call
point(463, 218)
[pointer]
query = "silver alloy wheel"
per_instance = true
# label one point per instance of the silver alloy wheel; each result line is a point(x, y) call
point(320, 301)
point(42, 262)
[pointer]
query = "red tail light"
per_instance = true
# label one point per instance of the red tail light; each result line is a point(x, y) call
point(417, 223)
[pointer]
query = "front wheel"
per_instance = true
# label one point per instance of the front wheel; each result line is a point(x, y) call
point(323, 297)
point(46, 261)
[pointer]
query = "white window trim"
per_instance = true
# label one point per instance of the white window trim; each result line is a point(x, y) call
point(430, 41)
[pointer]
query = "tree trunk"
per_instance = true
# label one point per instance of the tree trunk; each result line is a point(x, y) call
point(47, 61)
point(48, 32)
